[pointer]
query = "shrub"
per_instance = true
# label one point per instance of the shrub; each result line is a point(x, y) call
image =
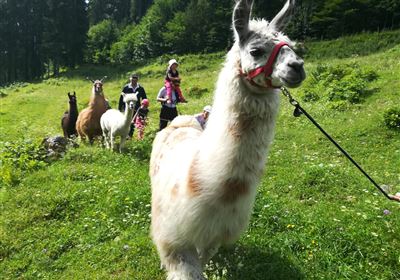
point(392, 118)
point(18, 158)
point(55, 81)
point(338, 84)
point(100, 38)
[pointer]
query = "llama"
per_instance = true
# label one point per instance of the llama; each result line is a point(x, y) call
point(204, 183)
point(114, 123)
point(69, 118)
point(88, 122)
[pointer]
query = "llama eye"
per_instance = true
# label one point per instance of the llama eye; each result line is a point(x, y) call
point(257, 52)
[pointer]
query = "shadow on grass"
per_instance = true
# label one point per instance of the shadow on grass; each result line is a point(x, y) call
point(251, 263)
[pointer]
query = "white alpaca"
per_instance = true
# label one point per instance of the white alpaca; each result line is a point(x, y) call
point(114, 123)
point(204, 183)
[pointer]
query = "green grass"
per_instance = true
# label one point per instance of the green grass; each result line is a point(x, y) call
point(352, 45)
point(86, 216)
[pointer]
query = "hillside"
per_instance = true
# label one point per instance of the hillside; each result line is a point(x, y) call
point(87, 215)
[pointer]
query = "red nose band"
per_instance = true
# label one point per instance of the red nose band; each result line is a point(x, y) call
point(266, 69)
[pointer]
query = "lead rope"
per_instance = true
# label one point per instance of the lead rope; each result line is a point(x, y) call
point(298, 111)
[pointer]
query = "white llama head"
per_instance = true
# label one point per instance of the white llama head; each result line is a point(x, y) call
point(257, 40)
point(130, 100)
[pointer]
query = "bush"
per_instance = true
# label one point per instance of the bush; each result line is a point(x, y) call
point(55, 81)
point(100, 38)
point(18, 158)
point(392, 118)
point(338, 84)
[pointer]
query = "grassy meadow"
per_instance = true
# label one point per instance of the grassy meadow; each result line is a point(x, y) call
point(87, 215)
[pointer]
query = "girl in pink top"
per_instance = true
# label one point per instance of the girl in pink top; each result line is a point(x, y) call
point(140, 119)
point(172, 81)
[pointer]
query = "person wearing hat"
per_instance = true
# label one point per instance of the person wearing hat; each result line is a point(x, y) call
point(133, 87)
point(202, 117)
point(172, 81)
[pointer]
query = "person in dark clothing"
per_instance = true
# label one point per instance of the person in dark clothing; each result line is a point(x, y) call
point(132, 88)
point(168, 110)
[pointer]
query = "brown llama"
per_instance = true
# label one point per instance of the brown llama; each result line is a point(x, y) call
point(88, 122)
point(68, 121)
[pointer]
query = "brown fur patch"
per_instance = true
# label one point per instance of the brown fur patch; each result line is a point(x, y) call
point(155, 209)
point(233, 189)
point(174, 191)
point(180, 135)
point(156, 165)
point(242, 126)
point(193, 183)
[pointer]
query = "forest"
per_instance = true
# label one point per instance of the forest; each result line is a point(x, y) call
point(40, 38)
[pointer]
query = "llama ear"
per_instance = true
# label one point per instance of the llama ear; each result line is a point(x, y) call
point(74, 93)
point(279, 22)
point(69, 95)
point(240, 19)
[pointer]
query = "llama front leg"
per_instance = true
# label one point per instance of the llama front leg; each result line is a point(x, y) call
point(205, 255)
point(112, 139)
point(180, 265)
point(122, 143)
point(184, 265)
point(106, 140)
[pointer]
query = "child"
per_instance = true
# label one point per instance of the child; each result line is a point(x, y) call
point(172, 81)
point(140, 119)
point(203, 117)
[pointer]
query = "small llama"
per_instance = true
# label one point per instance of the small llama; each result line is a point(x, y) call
point(114, 123)
point(204, 183)
point(69, 118)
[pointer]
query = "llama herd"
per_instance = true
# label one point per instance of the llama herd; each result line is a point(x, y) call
point(208, 202)
point(97, 119)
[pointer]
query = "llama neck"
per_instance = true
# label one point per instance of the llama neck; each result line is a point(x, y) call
point(239, 130)
point(73, 109)
point(128, 115)
point(97, 101)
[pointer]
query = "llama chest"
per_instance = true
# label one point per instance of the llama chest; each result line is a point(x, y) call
point(220, 223)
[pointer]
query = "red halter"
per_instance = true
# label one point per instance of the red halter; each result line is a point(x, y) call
point(267, 68)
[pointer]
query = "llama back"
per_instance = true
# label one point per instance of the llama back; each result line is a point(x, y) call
point(88, 122)
point(182, 128)
point(112, 118)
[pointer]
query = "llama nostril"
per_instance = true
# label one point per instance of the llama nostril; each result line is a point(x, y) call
point(297, 64)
